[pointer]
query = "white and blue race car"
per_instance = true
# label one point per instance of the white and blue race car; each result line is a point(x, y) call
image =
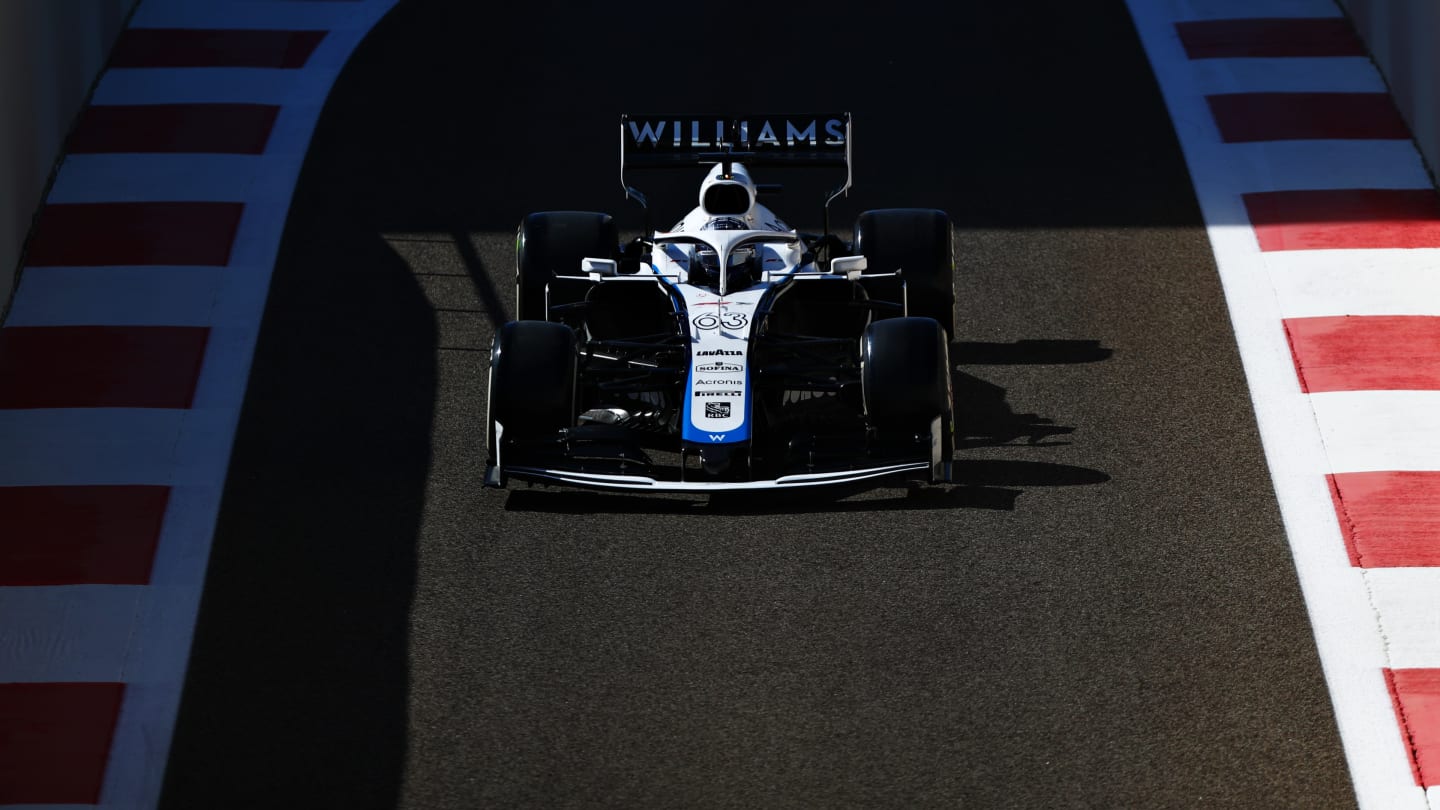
point(730, 351)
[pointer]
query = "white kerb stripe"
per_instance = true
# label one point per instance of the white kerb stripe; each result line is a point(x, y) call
point(1237, 9)
point(227, 85)
point(70, 633)
point(1408, 601)
point(1328, 164)
point(116, 296)
point(1318, 74)
point(1322, 283)
point(281, 15)
point(131, 177)
point(1366, 431)
point(93, 446)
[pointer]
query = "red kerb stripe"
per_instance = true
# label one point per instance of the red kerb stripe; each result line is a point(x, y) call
point(1415, 694)
point(195, 47)
point(81, 535)
point(212, 128)
point(1269, 37)
point(168, 233)
point(100, 366)
point(1389, 519)
point(1366, 352)
point(1244, 117)
point(55, 740)
point(1345, 218)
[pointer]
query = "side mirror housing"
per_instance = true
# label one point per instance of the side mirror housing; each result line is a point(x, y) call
point(598, 268)
point(848, 266)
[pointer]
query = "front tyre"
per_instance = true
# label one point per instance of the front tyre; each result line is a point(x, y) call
point(532, 385)
point(905, 380)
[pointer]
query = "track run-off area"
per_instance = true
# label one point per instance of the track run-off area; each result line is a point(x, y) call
point(287, 556)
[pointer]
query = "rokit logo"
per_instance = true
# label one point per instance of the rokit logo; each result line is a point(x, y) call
point(718, 368)
point(717, 410)
point(718, 353)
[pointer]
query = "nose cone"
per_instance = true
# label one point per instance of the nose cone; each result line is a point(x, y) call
point(724, 462)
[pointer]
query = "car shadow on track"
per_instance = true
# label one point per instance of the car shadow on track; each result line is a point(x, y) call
point(1028, 352)
point(983, 418)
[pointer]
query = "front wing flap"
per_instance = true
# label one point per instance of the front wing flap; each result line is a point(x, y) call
point(916, 469)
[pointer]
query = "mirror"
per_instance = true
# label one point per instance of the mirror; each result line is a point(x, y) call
point(848, 266)
point(596, 268)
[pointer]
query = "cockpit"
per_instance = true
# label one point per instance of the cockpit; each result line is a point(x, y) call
point(742, 262)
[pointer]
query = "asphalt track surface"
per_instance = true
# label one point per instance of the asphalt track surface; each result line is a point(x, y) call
point(1102, 612)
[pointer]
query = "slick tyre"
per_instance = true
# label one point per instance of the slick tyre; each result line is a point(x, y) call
point(905, 378)
point(920, 243)
point(550, 243)
point(532, 381)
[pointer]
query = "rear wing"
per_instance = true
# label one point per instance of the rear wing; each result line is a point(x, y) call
point(677, 141)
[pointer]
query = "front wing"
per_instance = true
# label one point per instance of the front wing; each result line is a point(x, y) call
point(914, 469)
point(554, 470)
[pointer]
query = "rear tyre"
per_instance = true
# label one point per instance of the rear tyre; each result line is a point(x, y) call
point(550, 243)
point(905, 379)
point(920, 243)
point(532, 382)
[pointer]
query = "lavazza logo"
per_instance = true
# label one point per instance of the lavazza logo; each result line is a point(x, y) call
point(717, 368)
point(719, 353)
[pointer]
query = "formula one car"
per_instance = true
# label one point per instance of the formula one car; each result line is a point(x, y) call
point(730, 352)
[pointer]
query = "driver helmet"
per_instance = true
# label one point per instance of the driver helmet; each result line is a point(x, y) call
point(742, 263)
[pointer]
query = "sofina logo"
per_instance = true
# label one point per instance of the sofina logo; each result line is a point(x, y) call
point(718, 368)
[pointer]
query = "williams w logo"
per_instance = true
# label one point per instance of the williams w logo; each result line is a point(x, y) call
point(717, 437)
